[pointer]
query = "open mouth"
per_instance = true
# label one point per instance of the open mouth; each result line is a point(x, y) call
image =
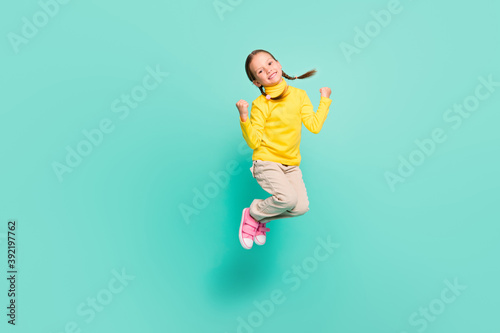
point(272, 76)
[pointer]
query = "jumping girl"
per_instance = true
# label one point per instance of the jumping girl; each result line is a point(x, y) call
point(273, 132)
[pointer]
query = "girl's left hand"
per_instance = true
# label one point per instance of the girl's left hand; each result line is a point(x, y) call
point(325, 92)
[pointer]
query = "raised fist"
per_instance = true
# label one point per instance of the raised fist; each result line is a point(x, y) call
point(325, 92)
point(242, 106)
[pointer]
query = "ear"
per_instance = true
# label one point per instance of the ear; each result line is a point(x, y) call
point(256, 83)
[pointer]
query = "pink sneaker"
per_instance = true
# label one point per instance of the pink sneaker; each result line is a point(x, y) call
point(260, 235)
point(248, 227)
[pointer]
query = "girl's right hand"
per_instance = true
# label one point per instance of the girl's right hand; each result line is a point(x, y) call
point(242, 106)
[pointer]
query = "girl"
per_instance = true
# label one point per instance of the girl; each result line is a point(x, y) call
point(273, 132)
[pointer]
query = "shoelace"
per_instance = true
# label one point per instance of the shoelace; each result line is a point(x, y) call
point(261, 229)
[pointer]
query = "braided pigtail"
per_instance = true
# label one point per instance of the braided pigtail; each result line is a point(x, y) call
point(303, 76)
point(262, 91)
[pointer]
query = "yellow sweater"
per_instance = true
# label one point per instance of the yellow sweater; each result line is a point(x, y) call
point(274, 128)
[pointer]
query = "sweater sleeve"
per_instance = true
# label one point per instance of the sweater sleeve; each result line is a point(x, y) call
point(314, 120)
point(253, 127)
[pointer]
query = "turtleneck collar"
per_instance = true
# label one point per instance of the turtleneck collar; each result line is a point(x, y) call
point(277, 89)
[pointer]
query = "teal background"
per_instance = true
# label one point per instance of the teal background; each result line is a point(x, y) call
point(120, 208)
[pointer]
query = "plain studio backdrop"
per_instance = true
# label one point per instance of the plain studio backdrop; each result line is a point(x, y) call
point(125, 169)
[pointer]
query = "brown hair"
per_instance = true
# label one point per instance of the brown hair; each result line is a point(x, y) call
point(251, 77)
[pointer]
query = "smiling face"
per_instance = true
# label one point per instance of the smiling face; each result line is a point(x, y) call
point(266, 70)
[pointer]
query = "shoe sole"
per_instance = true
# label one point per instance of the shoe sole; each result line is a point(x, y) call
point(240, 234)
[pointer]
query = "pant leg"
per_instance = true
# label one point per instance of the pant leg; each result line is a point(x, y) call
point(288, 193)
point(294, 176)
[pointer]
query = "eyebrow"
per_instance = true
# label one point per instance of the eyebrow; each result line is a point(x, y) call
point(261, 66)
